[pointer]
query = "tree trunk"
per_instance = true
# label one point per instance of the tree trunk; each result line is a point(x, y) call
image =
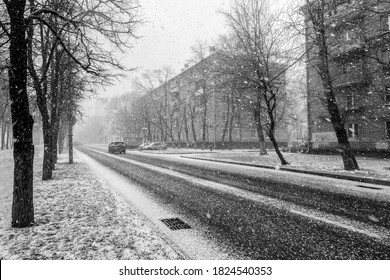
point(179, 139)
point(349, 159)
point(9, 143)
point(42, 94)
point(192, 115)
point(226, 123)
point(186, 126)
point(3, 127)
point(259, 127)
point(70, 140)
point(54, 141)
point(204, 121)
point(233, 111)
point(193, 132)
point(55, 94)
point(276, 147)
point(149, 132)
point(271, 133)
point(317, 13)
point(61, 137)
point(22, 204)
point(239, 126)
point(231, 130)
point(47, 171)
point(179, 133)
point(260, 133)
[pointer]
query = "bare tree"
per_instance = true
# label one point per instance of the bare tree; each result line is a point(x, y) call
point(60, 39)
point(319, 42)
point(258, 53)
point(14, 26)
point(74, 87)
point(113, 20)
point(124, 114)
point(156, 87)
point(229, 89)
point(202, 78)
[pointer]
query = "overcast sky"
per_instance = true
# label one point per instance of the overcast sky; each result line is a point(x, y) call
point(171, 28)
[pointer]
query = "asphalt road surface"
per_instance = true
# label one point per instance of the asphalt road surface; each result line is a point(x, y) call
point(264, 214)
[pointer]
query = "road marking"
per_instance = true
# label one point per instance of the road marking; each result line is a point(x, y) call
point(376, 232)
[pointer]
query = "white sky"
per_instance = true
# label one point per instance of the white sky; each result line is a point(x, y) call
point(171, 28)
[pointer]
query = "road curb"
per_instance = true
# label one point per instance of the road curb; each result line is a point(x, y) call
point(322, 174)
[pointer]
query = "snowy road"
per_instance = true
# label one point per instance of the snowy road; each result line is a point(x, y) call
point(264, 214)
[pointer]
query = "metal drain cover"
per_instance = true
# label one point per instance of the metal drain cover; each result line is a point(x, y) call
point(175, 224)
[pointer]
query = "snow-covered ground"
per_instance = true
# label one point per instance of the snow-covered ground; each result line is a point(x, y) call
point(77, 216)
point(375, 168)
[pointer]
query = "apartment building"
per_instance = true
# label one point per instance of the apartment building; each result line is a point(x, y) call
point(359, 59)
point(193, 109)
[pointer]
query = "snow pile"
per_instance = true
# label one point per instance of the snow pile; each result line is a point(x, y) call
point(78, 217)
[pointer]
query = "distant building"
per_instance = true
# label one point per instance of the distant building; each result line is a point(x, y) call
point(359, 48)
point(178, 113)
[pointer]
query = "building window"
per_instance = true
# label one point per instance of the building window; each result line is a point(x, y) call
point(252, 120)
point(344, 69)
point(353, 131)
point(385, 23)
point(388, 130)
point(352, 68)
point(387, 95)
point(347, 36)
point(200, 84)
point(198, 101)
point(253, 133)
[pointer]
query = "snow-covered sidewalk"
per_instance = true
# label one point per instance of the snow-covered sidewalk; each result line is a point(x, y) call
point(79, 217)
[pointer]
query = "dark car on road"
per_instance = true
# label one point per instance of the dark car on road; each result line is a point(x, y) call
point(117, 147)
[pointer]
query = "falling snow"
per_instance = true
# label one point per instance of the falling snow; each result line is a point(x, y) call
point(78, 217)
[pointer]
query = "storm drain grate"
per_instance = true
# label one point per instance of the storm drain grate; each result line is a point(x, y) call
point(175, 224)
point(368, 187)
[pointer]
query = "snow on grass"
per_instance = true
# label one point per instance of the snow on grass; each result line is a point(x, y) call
point(369, 167)
point(77, 216)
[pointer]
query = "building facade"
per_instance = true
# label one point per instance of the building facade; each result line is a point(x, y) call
point(359, 58)
point(195, 109)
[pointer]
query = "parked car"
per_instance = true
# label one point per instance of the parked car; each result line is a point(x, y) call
point(156, 146)
point(142, 146)
point(117, 147)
